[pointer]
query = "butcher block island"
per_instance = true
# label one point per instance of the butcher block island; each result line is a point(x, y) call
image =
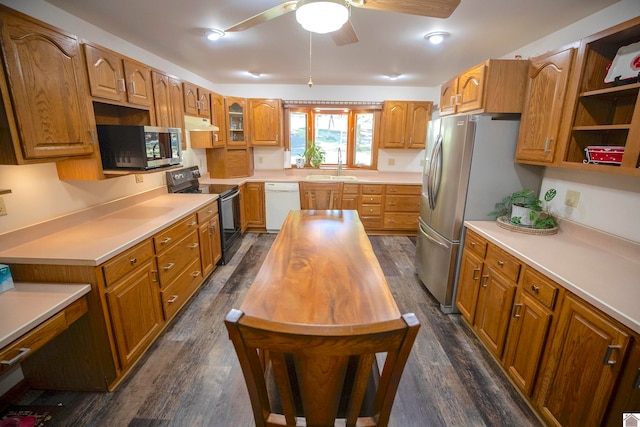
point(143, 261)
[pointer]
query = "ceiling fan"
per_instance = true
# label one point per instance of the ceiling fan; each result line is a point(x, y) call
point(343, 32)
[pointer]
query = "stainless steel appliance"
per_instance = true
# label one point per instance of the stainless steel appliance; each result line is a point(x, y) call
point(139, 147)
point(186, 180)
point(469, 166)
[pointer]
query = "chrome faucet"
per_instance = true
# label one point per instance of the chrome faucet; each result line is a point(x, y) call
point(339, 162)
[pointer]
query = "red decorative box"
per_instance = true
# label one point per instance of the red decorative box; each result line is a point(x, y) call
point(603, 154)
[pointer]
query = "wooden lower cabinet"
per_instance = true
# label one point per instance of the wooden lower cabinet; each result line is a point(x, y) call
point(370, 207)
point(626, 396)
point(472, 261)
point(209, 237)
point(401, 207)
point(254, 206)
point(350, 196)
point(585, 359)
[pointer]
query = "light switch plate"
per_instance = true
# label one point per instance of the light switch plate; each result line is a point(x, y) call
point(572, 198)
point(139, 178)
point(3, 208)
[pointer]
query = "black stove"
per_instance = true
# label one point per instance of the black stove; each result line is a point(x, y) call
point(186, 180)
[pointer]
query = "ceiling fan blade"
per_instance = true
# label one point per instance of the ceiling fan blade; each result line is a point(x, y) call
point(265, 16)
point(345, 35)
point(431, 8)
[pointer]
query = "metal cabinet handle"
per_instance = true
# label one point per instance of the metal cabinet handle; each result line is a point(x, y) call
point(535, 289)
point(132, 85)
point(452, 101)
point(475, 276)
point(133, 261)
point(155, 275)
point(517, 310)
point(193, 246)
point(607, 355)
point(547, 144)
point(392, 203)
point(636, 382)
point(92, 132)
point(173, 299)
point(192, 224)
point(169, 266)
point(484, 280)
point(165, 240)
point(195, 273)
point(459, 99)
point(500, 263)
point(123, 85)
point(472, 244)
point(23, 352)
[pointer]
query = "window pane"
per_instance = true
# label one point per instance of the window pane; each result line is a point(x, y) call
point(363, 138)
point(331, 133)
point(297, 134)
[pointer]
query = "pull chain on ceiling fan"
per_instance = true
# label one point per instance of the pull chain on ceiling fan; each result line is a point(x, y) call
point(310, 82)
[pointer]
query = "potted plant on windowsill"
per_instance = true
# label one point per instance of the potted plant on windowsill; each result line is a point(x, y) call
point(314, 155)
point(523, 208)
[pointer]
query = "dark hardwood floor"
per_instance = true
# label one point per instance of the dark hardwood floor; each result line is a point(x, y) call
point(191, 377)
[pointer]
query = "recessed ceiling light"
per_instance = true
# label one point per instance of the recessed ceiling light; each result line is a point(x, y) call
point(394, 76)
point(214, 34)
point(436, 37)
point(255, 75)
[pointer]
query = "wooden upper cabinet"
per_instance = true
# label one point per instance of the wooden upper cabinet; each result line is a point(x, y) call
point(494, 86)
point(44, 91)
point(237, 123)
point(167, 96)
point(117, 78)
point(197, 100)
point(265, 116)
point(218, 115)
point(176, 110)
point(404, 124)
point(544, 101)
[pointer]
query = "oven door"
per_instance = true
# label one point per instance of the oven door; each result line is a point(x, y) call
point(229, 205)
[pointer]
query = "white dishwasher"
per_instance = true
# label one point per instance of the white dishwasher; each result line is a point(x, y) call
point(280, 198)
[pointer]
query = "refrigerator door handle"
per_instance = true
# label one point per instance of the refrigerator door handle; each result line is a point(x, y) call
point(425, 234)
point(435, 173)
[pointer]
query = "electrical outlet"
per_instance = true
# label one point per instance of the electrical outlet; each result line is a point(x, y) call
point(392, 162)
point(572, 198)
point(139, 178)
point(3, 208)
point(259, 159)
point(422, 163)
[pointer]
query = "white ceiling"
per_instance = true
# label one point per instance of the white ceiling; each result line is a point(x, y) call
point(390, 43)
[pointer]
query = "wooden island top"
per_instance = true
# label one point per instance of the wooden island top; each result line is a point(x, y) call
point(321, 271)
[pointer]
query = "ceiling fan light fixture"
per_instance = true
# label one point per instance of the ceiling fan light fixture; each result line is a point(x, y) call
point(436, 37)
point(394, 76)
point(322, 16)
point(255, 75)
point(214, 34)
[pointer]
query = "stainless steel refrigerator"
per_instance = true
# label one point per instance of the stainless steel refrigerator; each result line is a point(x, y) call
point(469, 166)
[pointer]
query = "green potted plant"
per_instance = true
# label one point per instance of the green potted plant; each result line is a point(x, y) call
point(524, 208)
point(314, 155)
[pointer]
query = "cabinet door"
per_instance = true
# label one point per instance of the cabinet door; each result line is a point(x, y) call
point(106, 75)
point(254, 205)
point(206, 249)
point(471, 89)
point(47, 81)
point(419, 115)
point(626, 397)
point(243, 209)
point(544, 101)
point(448, 93)
point(495, 300)
point(139, 86)
point(136, 317)
point(204, 103)
point(525, 342)
point(469, 285)
point(585, 360)
point(190, 93)
point(216, 243)
point(266, 122)
point(161, 99)
point(394, 124)
point(218, 118)
point(176, 109)
point(236, 122)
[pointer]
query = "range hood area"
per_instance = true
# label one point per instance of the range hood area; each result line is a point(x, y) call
point(199, 124)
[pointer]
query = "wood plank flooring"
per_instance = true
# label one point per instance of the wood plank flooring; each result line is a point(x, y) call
point(191, 377)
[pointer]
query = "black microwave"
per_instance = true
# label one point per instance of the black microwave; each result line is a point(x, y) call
point(139, 147)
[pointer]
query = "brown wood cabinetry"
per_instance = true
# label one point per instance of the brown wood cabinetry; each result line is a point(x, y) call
point(350, 196)
point(209, 237)
point(370, 208)
point(475, 249)
point(218, 118)
point(626, 396)
point(266, 119)
point(197, 100)
point(598, 113)
point(230, 162)
point(254, 207)
point(243, 207)
point(494, 86)
point(237, 125)
point(168, 98)
point(583, 366)
point(404, 124)
point(113, 77)
point(48, 115)
point(548, 79)
point(401, 207)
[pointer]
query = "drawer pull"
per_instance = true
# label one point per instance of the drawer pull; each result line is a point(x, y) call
point(23, 352)
point(485, 279)
point(517, 309)
point(392, 203)
point(476, 271)
point(155, 275)
point(500, 263)
point(210, 211)
point(193, 246)
point(165, 240)
point(173, 299)
point(133, 261)
point(169, 266)
point(192, 224)
point(195, 273)
point(607, 355)
point(535, 289)
point(472, 244)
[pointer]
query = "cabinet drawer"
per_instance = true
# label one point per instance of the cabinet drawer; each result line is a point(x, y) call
point(501, 261)
point(371, 199)
point(350, 189)
point(540, 288)
point(476, 244)
point(126, 262)
point(401, 221)
point(173, 261)
point(371, 189)
point(371, 222)
point(176, 294)
point(403, 189)
point(402, 203)
point(370, 210)
point(207, 212)
point(166, 238)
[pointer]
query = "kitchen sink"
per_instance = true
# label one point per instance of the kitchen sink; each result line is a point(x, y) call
point(331, 178)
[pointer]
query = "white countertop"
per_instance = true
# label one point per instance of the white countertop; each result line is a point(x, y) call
point(295, 175)
point(97, 240)
point(29, 304)
point(601, 269)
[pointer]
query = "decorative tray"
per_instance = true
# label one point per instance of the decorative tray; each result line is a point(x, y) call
point(625, 65)
point(505, 222)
